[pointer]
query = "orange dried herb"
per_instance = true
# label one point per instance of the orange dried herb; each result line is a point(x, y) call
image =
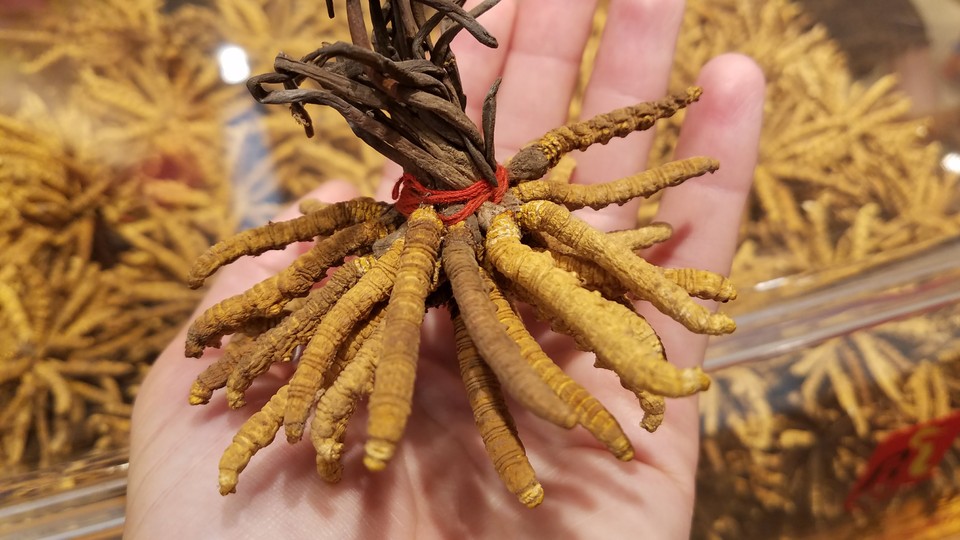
point(454, 237)
point(591, 414)
point(339, 401)
point(255, 434)
point(396, 369)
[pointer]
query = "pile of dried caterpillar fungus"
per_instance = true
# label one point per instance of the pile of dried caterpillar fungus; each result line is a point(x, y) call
point(845, 178)
point(786, 439)
point(89, 289)
point(466, 233)
point(120, 163)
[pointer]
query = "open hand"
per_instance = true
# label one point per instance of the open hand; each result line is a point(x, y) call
point(440, 484)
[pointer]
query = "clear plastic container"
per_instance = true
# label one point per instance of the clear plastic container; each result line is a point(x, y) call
point(83, 498)
point(836, 412)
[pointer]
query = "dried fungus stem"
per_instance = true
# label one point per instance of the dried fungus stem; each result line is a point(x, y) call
point(256, 433)
point(638, 276)
point(268, 297)
point(597, 196)
point(621, 339)
point(533, 161)
point(322, 222)
point(390, 401)
point(353, 307)
point(338, 403)
point(591, 414)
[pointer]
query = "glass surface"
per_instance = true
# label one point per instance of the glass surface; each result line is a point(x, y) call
point(83, 498)
point(807, 392)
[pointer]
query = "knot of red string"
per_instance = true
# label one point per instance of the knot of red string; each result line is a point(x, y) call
point(410, 194)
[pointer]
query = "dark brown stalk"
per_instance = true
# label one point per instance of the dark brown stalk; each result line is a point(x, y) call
point(403, 75)
point(489, 123)
point(442, 47)
point(358, 29)
point(464, 19)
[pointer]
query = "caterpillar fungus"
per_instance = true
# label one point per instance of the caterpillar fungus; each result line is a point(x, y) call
point(465, 232)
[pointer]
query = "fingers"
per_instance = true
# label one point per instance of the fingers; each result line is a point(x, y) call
point(632, 65)
point(541, 70)
point(480, 65)
point(706, 212)
point(725, 125)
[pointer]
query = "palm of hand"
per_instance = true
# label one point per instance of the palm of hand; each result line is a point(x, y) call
point(440, 483)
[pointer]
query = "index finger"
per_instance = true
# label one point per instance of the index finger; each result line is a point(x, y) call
point(705, 212)
point(632, 66)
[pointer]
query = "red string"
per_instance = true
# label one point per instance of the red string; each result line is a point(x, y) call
point(410, 194)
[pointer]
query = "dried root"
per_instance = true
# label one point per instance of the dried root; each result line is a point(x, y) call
point(465, 232)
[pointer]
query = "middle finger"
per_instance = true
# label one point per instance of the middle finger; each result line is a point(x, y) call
point(632, 65)
point(541, 70)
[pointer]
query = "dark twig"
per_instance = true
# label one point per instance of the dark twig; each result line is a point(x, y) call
point(442, 46)
point(408, 107)
point(489, 121)
point(358, 28)
point(403, 75)
point(381, 43)
point(464, 19)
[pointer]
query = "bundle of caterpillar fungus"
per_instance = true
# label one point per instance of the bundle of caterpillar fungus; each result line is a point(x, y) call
point(465, 232)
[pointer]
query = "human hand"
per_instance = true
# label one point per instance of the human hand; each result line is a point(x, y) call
point(440, 483)
point(22, 5)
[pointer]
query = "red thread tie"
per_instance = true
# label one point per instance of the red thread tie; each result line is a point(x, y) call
point(410, 194)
